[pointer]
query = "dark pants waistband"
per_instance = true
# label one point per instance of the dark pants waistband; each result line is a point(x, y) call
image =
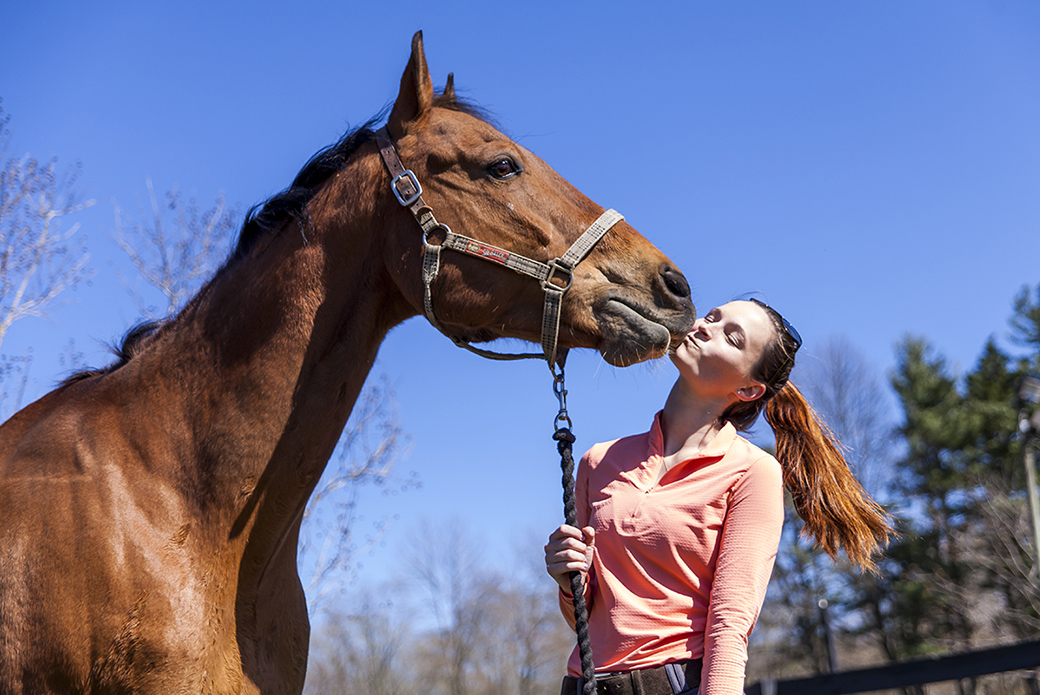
point(680, 678)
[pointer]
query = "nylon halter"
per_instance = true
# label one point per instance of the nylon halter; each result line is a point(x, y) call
point(555, 277)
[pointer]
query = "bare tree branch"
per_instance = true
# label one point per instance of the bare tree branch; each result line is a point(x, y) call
point(330, 544)
point(849, 395)
point(359, 653)
point(494, 633)
point(39, 257)
point(173, 256)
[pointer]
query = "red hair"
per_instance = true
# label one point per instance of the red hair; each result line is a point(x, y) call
point(838, 512)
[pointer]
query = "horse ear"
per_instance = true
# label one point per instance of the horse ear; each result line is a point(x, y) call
point(449, 87)
point(416, 95)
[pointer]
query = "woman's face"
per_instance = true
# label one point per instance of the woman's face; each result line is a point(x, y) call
point(716, 357)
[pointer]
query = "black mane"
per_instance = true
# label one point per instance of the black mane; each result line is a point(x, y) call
point(132, 344)
point(292, 202)
point(272, 214)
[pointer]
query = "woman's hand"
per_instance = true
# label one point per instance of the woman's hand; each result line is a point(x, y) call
point(569, 550)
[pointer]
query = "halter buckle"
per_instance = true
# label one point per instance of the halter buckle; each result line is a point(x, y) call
point(406, 174)
point(554, 266)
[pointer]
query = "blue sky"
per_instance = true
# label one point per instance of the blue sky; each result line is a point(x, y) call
point(872, 168)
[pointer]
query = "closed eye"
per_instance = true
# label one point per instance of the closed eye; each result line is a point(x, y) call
point(504, 168)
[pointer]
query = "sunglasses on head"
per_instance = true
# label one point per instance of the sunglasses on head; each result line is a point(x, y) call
point(788, 328)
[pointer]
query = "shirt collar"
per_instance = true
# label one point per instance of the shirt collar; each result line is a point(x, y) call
point(716, 448)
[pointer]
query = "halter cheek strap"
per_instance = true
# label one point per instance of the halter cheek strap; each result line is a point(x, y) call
point(555, 277)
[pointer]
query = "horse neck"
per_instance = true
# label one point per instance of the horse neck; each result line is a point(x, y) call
point(268, 362)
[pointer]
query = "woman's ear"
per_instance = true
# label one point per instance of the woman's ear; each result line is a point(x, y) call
point(753, 391)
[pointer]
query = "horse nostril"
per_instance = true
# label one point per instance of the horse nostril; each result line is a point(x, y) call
point(675, 282)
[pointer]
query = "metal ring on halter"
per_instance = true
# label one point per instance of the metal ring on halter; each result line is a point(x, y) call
point(440, 225)
point(555, 265)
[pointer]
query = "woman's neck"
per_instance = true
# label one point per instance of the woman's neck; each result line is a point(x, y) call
point(689, 422)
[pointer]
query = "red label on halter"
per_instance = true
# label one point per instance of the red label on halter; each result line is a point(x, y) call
point(492, 254)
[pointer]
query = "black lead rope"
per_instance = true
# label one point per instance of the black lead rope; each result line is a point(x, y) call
point(564, 441)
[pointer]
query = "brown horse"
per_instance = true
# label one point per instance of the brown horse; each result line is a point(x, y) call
point(150, 511)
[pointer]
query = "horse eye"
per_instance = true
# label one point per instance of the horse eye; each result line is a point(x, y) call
point(504, 168)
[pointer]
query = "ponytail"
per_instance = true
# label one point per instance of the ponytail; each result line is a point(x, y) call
point(837, 511)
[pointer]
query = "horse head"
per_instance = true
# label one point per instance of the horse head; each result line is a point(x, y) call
point(627, 300)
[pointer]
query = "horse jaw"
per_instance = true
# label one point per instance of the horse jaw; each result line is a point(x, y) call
point(632, 334)
point(626, 329)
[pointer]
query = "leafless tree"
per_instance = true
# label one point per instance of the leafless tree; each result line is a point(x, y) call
point(40, 255)
point(362, 652)
point(174, 248)
point(443, 566)
point(453, 625)
point(1004, 598)
point(499, 631)
point(331, 545)
point(525, 640)
point(849, 394)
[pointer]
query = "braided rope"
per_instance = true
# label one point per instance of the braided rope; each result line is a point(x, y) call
point(564, 440)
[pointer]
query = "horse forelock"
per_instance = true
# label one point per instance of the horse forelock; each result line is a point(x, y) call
point(453, 102)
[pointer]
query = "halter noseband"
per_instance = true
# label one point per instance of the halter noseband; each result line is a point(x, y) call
point(555, 276)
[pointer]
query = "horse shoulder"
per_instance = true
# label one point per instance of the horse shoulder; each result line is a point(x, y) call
point(99, 554)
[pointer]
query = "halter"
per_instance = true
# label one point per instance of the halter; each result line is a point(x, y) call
point(555, 277)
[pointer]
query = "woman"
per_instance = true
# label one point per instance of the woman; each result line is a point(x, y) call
point(680, 525)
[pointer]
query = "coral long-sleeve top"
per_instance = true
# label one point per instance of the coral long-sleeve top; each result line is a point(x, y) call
point(680, 568)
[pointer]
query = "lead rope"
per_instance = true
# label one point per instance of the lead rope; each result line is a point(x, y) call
point(564, 441)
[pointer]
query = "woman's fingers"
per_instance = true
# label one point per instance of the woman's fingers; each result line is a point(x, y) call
point(565, 531)
point(568, 550)
point(589, 534)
